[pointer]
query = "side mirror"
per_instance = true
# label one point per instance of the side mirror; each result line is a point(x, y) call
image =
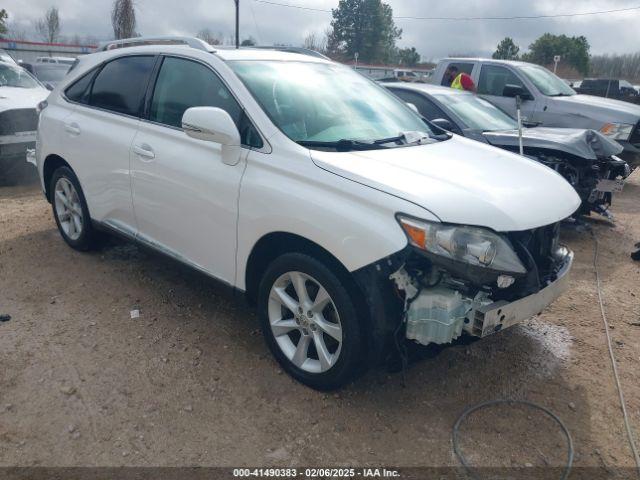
point(530, 124)
point(443, 123)
point(48, 86)
point(215, 125)
point(413, 107)
point(513, 91)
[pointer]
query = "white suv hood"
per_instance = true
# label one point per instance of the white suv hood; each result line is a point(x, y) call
point(12, 98)
point(462, 181)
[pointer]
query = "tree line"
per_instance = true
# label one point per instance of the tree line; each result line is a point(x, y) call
point(575, 54)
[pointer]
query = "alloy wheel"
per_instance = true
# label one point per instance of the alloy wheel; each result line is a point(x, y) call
point(68, 208)
point(305, 322)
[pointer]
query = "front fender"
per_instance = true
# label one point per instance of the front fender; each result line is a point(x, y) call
point(353, 222)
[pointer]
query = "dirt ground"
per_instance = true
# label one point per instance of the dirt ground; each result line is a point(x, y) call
point(191, 382)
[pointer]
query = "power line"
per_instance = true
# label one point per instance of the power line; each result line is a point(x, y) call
point(517, 17)
point(299, 7)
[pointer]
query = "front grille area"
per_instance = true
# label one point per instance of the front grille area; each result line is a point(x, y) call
point(535, 248)
point(19, 120)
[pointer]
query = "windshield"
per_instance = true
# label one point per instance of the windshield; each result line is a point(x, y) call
point(322, 102)
point(11, 76)
point(476, 113)
point(545, 81)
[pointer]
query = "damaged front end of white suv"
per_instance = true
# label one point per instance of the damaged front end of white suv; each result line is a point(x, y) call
point(455, 280)
point(468, 279)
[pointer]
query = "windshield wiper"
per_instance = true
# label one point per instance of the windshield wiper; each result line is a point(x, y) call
point(414, 138)
point(344, 145)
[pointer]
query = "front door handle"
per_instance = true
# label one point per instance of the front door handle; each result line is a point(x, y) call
point(72, 128)
point(144, 151)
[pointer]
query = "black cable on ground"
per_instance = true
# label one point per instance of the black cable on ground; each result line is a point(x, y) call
point(614, 365)
point(474, 408)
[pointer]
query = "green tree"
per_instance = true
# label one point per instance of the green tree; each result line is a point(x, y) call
point(3, 22)
point(507, 50)
point(408, 57)
point(365, 27)
point(573, 50)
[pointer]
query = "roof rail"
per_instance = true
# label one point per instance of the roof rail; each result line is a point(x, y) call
point(192, 42)
point(300, 50)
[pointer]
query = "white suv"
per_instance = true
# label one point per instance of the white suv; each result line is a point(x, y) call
point(350, 223)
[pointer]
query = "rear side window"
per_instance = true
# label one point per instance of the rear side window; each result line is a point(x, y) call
point(463, 67)
point(183, 84)
point(494, 78)
point(121, 84)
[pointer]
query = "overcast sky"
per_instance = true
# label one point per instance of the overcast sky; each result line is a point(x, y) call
point(609, 33)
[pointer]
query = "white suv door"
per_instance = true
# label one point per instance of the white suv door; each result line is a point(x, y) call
point(99, 132)
point(185, 198)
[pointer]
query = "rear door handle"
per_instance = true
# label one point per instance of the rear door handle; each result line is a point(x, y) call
point(144, 151)
point(72, 128)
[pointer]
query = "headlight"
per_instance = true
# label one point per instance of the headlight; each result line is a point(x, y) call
point(617, 131)
point(472, 245)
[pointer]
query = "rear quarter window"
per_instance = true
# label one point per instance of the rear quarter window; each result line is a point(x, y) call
point(79, 91)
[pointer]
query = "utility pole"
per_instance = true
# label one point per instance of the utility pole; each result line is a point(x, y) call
point(237, 23)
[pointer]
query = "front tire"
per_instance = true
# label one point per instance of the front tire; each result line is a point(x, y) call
point(70, 210)
point(310, 322)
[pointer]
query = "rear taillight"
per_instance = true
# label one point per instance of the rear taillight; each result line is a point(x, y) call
point(41, 106)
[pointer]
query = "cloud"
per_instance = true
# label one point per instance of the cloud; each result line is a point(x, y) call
point(611, 33)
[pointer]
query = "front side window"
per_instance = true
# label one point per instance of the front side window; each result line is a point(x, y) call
point(426, 107)
point(494, 78)
point(324, 102)
point(183, 84)
point(545, 81)
point(477, 113)
point(12, 76)
point(120, 85)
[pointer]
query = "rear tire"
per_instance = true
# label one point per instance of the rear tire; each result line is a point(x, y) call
point(70, 210)
point(310, 322)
